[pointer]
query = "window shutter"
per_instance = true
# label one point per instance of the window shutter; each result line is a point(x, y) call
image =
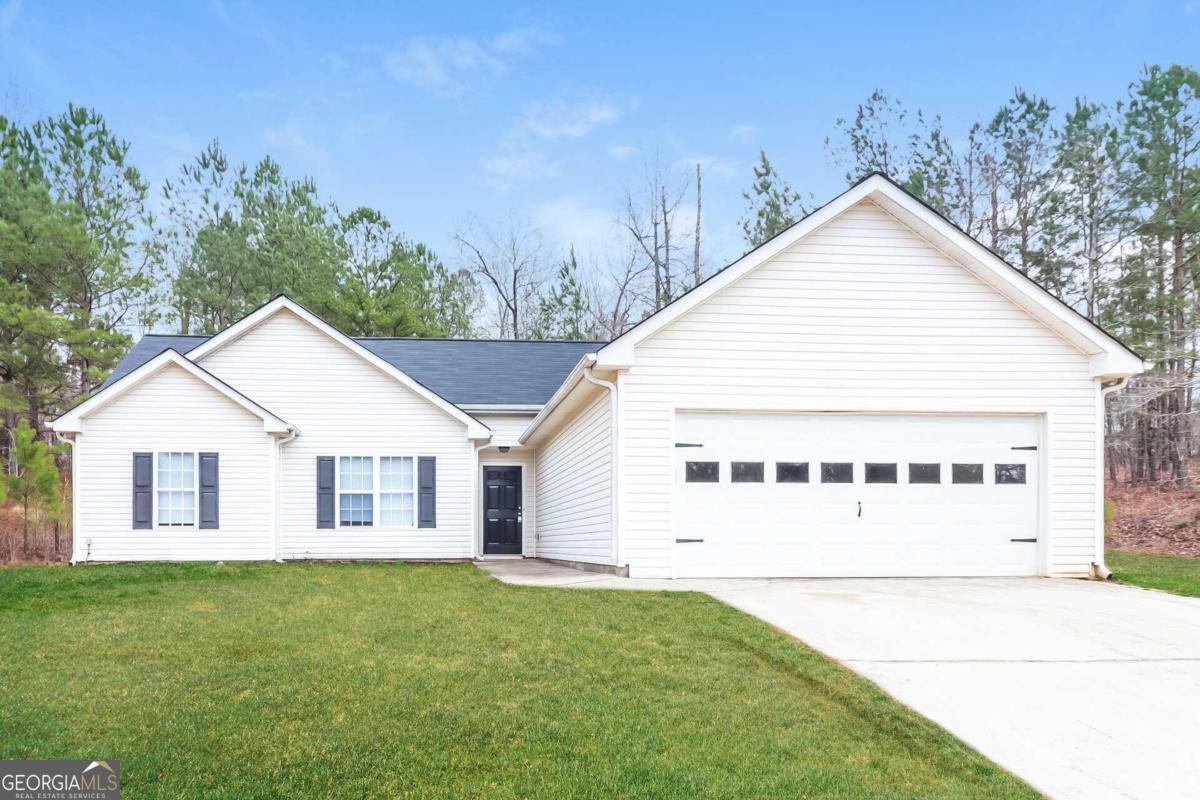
point(210, 491)
point(324, 491)
point(426, 492)
point(143, 490)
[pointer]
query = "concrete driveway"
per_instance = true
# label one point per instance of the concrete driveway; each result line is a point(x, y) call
point(1083, 689)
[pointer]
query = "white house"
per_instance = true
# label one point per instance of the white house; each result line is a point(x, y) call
point(871, 392)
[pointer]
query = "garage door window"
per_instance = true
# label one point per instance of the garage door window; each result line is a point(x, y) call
point(967, 473)
point(837, 472)
point(791, 472)
point(703, 472)
point(1010, 473)
point(924, 473)
point(746, 472)
point(881, 473)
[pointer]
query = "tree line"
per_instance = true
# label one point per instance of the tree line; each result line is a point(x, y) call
point(1099, 202)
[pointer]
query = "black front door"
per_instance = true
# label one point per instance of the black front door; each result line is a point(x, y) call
point(502, 510)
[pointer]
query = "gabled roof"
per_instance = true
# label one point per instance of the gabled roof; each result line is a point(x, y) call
point(73, 420)
point(1110, 357)
point(467, 372)
point(475, 428)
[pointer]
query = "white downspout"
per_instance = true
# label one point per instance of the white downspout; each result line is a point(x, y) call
point(277, 457)
point(614, 488)
point(1099, 568)
point(74, 492)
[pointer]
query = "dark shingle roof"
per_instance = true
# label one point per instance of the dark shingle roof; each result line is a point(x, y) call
point(464, 371)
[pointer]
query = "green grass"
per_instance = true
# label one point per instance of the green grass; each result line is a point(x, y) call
point(352, 680)
point(1178, 574)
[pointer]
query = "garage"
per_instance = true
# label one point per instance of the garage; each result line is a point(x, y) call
point(847, 495)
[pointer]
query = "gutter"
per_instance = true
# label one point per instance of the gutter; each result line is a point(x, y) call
point(1099, 569)
point(614, 458)
point(570, 382)
point(277, 533)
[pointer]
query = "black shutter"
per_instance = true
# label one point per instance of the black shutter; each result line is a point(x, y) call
point(210, 491)
point(143, 490)
point(426, 492)
point(324, 491)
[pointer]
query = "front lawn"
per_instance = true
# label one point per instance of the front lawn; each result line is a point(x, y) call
point(1178, 574)
point(350, 680)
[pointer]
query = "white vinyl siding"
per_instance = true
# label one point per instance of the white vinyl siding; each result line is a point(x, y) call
point(506, 428)
point(574, 488)
point(861, 315)
point(343, 405)
point(172, 411)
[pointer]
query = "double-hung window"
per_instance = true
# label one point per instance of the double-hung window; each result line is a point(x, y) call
point(356, 491)
point(377, 491)
point(397, 503)
point(176, 487)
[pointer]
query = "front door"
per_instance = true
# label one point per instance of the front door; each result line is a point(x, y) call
point(502, 510)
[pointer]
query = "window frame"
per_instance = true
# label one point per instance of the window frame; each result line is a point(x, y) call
point(804, 464)
point(895, 470)
point(687, 478)
point(1023, 471)
point(837, 464)
point(937, 465)
point(762, 471)
point(982, 473)
point(411, 491)
point(376, 492)
point(195, 523)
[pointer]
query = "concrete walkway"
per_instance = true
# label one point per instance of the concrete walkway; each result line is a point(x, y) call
point(1083, 689)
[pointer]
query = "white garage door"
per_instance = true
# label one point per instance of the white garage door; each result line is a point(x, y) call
point(855, 495)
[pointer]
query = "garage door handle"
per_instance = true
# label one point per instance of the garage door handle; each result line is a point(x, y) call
point(860, 508)
point(1022, 540)
point(688, 541)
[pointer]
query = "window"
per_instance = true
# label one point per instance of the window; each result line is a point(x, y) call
point(966, 473)
point(356, 486)
point(791, 472)
point(176, 476)
point(746, 472)
point(837, 472)
point(1010, 473)
point(702, 472)
point(924, 473)
point(396, 505)
point(881, 473)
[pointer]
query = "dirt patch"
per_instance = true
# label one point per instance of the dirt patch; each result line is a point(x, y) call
point(1157, 518)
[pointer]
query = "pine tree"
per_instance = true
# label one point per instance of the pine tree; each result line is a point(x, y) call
point(33, 479)
point(774, 206)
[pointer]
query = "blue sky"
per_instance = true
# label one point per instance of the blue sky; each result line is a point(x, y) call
point(439, 112)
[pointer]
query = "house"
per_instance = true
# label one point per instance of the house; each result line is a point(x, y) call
point(870, 393)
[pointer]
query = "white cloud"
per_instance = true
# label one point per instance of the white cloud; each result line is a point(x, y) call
point(520, 166)
point(567, 119)
point(444, 65)
point(522, 41)
point(571, 221)
point(743, 133)
point(623, 152)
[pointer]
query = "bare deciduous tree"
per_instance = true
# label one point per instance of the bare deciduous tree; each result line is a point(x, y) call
point(651, 218)
point(510, 264)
